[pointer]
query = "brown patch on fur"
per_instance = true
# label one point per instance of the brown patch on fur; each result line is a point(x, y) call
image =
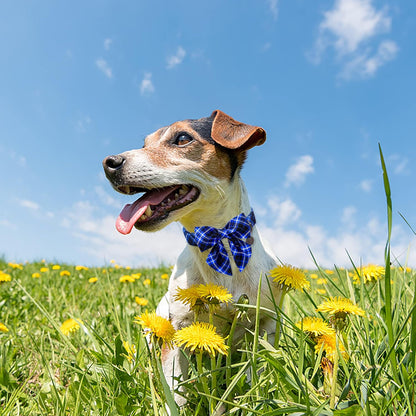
point(199, 154)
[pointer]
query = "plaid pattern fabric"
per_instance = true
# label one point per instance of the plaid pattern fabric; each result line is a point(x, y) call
point(236, 231)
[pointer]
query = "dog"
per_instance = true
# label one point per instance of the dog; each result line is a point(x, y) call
point(189, 172)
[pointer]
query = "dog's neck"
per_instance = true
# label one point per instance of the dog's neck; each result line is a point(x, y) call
point(227, 204)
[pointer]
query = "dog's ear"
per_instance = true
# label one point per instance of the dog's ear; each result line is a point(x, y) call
point(234, 135)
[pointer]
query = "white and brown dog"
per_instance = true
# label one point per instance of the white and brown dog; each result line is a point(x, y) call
point(189, 172)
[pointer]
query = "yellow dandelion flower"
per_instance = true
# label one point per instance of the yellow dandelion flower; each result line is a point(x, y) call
point(3, 328)
point(369, 273)
point(190, 296)
point(112, 261)
point(128, 268)
point(136, 276)
point(201, 337)
point(315, 327)
point(117, 266)
point(327, 271)
point(322, 281)
point(328, 343)
point(130, 350)
point(56, 267)
point(93, 279)
point(44, 270)
point(214, 294)
point(64, 273)
point(70, 326)
point(338, 306)
point(289, 277)
point(159, 327)
point(4, 277)
point(36, 275)
point(15, 266)
point(80, 268)
point(313, 276)
point(141, 301)
point(320, 291)
point(164, 276)
point(127, 278)
point(146, 282)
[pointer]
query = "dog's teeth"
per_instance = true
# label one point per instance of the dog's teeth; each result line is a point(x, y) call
point(127, 189)
point(169, 200)
point(143, 217)
point(148, 211)
point(182, 191)
point(176, 196)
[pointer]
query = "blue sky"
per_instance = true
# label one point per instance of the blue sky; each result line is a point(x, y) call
point(328, 80)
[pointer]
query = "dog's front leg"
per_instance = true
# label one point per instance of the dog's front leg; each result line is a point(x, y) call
point(174, 363)
point(175, 369)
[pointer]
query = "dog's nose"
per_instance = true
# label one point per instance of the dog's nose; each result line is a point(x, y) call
point(113, 162)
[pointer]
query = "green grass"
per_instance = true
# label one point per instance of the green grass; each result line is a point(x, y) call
point(44, 372)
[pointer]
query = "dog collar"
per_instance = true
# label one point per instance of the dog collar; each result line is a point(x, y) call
point(237, 231)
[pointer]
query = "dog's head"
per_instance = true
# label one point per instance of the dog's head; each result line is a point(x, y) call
point(179, 169)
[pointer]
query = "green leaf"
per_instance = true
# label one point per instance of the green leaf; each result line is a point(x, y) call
point(354, 410)
point(121, 404)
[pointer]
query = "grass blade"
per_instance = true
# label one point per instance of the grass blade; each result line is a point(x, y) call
point(387, 279)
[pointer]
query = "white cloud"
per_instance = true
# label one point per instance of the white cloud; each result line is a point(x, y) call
point(19, 159)
point(106, 198)
point(83, 123)
point(8, 224)
point(176, 59)
point(146, 86)
point(25, 203)
point(365, 65)
point(348, 216)
point(352, 22)
point(399, 164)
point(107, 43)
point(266, 46)
point(283, 212)
point(297, 172)
point(350, 28)
point(366, 185)
point(104, 67)
point(364, 244)
point(273, 7)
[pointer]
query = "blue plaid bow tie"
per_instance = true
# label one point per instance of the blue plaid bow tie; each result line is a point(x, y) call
point(237, 229)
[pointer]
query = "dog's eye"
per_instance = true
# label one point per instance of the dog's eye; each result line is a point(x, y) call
point(183, 139)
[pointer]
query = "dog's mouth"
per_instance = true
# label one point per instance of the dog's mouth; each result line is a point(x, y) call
point(155, 205)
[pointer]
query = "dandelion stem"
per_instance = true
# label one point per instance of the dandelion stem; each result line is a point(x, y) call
point(213, 363)
point(279, 320)
point(202, 378)
point(335, 372)
point(230, 343)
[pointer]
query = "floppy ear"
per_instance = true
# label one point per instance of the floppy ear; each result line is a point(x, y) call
point(232, 134)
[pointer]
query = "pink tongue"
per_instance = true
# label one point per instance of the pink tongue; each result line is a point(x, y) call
point(132, 212)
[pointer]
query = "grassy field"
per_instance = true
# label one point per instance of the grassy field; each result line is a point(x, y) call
point(90, 371)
